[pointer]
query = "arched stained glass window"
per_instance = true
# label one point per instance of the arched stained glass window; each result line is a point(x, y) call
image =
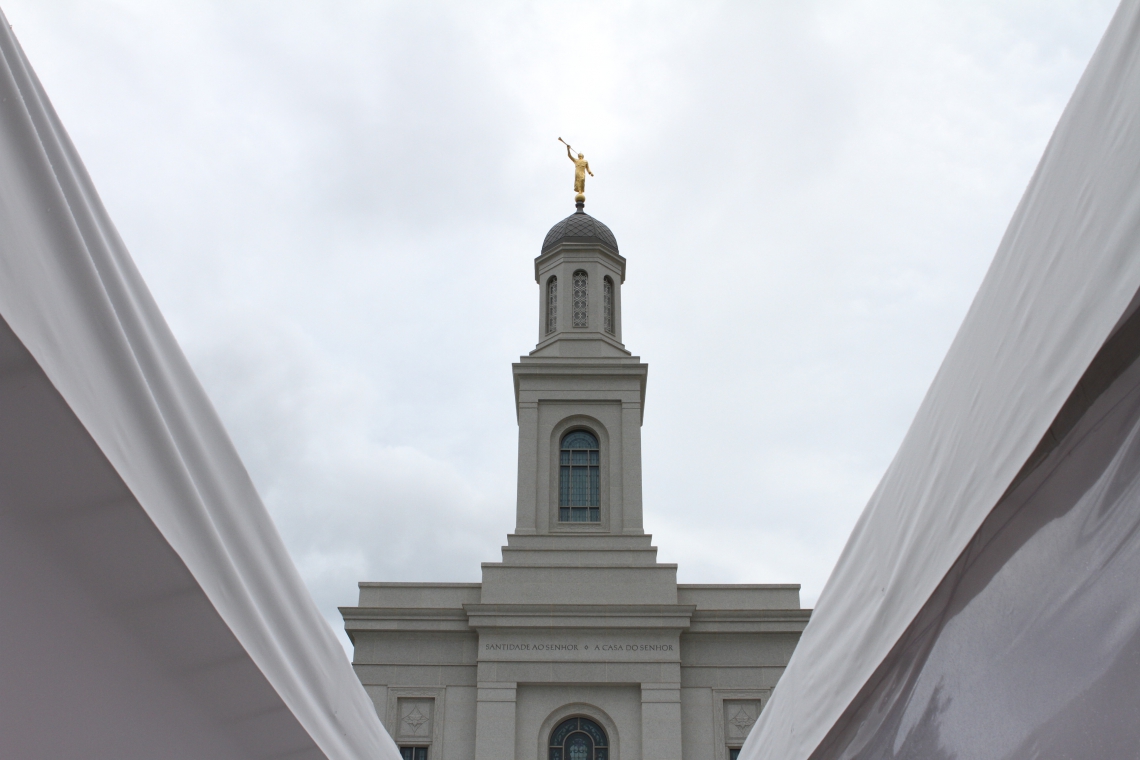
point(579, 479)
point(551, 305)
point(608, 303)
point(579, 739)
point(581, 299)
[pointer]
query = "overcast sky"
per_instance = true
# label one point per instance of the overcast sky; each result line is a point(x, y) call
point(337, 206)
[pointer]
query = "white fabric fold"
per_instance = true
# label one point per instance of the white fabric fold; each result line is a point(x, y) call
point(71, 294)
point(1064, 273)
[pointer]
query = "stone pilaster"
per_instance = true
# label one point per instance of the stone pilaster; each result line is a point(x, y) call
point(495, 721)
point(661, 721)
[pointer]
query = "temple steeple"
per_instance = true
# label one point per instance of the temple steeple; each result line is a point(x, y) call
point(580, 274)
point(579, 393)
point(574, 645)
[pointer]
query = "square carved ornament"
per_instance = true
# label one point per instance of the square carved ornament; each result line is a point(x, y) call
point(739, 715)
point(415, 718)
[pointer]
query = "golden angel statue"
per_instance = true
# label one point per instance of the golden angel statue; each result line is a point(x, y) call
point(581, 169)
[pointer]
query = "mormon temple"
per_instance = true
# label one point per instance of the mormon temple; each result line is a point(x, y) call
point(984, 606)
point(579, 644)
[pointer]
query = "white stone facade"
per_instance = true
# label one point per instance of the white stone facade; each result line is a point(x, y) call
point(578, 620)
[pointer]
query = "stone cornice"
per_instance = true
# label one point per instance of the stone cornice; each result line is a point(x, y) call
point(592, 566)
point(749, 621)
point(394, 619)
point(577, 251)
point(610, 616)
point(471, 618)
point(474, 617)
point(581, 368)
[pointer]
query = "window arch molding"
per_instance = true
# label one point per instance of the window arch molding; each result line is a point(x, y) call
point(596, 428)
point(579, 710)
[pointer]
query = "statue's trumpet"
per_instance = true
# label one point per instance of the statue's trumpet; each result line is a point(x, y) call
point(564, 143)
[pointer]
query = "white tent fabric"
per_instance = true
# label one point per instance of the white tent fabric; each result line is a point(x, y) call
point(150, 608)
point(1029, 649)
point(1061, 280)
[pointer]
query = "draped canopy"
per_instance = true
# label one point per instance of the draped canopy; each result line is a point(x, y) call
point(957, 622)
point(149, 606)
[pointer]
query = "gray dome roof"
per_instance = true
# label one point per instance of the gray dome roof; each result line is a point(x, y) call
point(579, 227)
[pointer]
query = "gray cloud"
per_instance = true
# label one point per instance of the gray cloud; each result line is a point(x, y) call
point(337, 205)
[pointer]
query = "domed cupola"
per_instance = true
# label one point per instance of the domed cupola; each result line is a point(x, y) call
point(580, 227)
point(580, 273)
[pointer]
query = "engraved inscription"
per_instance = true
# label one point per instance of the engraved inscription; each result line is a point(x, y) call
point(585, 647)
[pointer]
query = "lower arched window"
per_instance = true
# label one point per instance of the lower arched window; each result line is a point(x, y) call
point(579, 478)
point(579, 739)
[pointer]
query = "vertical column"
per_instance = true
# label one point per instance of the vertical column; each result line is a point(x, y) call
point(565, 297)
point(617, 306)
point(661, 721)
point(597, 315)
point(631, 466)
point(526, 506)
point(379, 694)
point(543, 281)
point(495, 721)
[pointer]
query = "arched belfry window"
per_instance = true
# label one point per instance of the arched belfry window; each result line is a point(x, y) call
point(551, 305)
point(581, 299)
point(608, 304)
point(579, 739)
point(579, 478)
